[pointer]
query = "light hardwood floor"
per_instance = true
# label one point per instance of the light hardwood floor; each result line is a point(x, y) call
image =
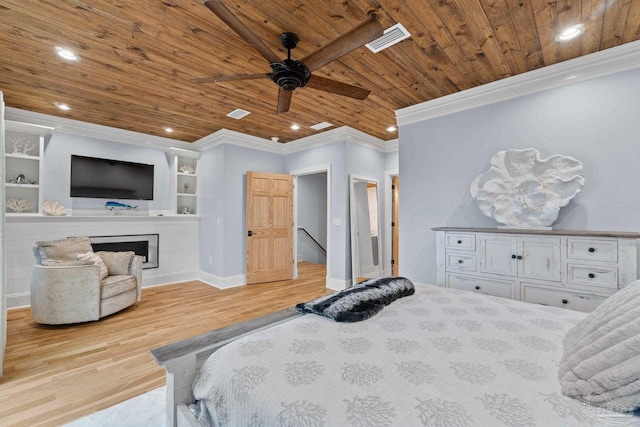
point(56, 374)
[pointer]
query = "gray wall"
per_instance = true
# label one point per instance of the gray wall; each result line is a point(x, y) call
point(57, 169)
point(224, 192)
point(596, 121)
point(333, 155)
point(312, 216)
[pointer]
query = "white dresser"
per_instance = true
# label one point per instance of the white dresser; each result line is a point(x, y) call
point(562, 268)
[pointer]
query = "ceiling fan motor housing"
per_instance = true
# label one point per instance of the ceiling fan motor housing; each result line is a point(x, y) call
point(290, 74)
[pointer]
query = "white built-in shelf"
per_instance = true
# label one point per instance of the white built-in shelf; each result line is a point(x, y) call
point(21, 156)
point(13, 184)
point(24, 148)
point(184, 186)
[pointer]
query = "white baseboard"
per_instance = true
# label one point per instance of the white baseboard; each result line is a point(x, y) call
point(19, 300)
point(149, 281)
point(337, 284)
point(222, 282)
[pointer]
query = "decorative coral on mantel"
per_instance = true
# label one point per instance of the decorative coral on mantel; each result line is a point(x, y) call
point(53, 208)
point(521, 190)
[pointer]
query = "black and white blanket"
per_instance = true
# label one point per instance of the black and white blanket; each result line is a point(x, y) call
point(361, 301)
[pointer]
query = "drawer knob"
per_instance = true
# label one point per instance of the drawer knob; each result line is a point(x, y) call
point(477, 288)
point(460, 261)
point(564, 301)
point(591, 275)
point(592, 250)
point(513, 257)
point(519, 256)
point(459, 242)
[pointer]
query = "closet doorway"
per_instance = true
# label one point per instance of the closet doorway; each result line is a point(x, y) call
point(312, 196)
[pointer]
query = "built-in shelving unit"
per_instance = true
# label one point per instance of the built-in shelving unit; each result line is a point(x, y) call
point(184, 183)
point(24, 149)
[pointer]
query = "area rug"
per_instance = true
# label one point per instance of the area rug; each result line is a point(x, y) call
point(146, 410)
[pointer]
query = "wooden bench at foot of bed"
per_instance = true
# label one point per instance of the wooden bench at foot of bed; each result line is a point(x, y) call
point(182, 360)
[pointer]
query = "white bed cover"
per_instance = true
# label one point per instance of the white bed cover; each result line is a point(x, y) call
point(441, 357)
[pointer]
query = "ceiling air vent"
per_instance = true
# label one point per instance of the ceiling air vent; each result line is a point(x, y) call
point(321, 125)
point(391, 36)
point(238, 114)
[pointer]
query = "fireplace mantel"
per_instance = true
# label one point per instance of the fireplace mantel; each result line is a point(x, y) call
point(25, 218)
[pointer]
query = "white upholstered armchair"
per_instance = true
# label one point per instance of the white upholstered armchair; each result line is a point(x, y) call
point(70, 283)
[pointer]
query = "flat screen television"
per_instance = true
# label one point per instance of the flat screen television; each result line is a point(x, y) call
point(110, 179)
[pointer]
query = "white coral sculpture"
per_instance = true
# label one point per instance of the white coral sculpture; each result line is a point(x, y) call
point(522, 190)
point(53, 208)
point(18, 143)
point(19, 205)
point(187, 169)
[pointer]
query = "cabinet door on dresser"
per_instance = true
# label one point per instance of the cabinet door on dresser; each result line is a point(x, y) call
point(530, 257)
point(496, 252)
point(540, 258)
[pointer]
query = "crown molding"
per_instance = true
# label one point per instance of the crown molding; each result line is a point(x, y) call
point(76, 127)
point(222, 136)
point(609, 61)
point(345, 133)
point(226, 136)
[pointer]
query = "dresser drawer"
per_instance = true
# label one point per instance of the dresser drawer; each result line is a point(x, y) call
point(594, 275)
point(592, 249)
point(495, 287)
point(460, 242)
point(574, 300)
point(460, 262)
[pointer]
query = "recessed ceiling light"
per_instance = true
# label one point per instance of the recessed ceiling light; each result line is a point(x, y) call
point(295, 126)
point(168, 130)
point(67, 54)
point(62, 106)
point(570, 33)
point(392, 129)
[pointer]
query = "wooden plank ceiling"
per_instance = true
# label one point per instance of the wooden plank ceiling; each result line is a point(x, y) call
point(138, 57)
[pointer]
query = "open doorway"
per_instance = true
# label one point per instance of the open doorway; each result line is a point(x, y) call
point(391, 223)
point(311, 218)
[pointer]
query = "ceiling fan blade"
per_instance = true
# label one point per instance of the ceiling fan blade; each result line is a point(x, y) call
point(284, 100)
point(216, 79)
point(242, 30)
point(339, 88)
point(349, 41)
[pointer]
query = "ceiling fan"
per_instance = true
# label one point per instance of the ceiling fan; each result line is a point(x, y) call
point(290, 74)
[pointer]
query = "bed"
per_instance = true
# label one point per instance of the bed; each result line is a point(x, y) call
point(441, 357)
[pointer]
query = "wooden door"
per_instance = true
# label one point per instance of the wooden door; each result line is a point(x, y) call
point(395, 225)
point(269, 227)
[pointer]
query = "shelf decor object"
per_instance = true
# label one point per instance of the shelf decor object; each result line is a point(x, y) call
point(521, 190)
point(19, 205)
point(20, 179)
point(187, 169)
point(53, 208)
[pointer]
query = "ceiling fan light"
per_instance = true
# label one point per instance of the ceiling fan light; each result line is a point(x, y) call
point(570, 33)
